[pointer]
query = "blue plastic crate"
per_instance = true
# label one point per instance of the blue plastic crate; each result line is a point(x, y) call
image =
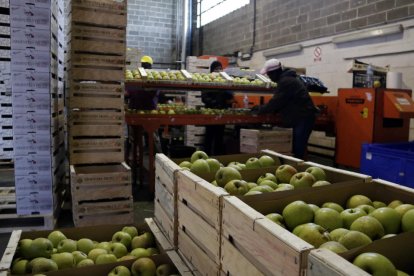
point(393, 162)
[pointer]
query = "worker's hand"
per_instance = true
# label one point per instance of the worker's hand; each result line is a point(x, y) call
point(255, 109)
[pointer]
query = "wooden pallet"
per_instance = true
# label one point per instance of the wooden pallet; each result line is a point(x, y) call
point(10, 220)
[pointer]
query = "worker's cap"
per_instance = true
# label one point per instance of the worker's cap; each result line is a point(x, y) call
point(271, 65)
point(146, 59)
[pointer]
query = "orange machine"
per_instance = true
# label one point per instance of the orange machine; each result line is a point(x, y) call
point(369, 115)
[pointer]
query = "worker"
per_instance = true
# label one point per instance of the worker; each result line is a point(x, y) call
point(213, 142)
point(292, 101)
point(143, 100)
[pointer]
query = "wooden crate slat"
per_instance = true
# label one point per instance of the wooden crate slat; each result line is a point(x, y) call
point(182, 268)
point(109, 5)
point(165, 199)
point(96, 157)
point(96, 130)
point(99, 101)
point(115, 218)
point(108, 174)
point(96, 46)
point(76, 88)
point(109, 117)
point(165, 223)
point(107, 34)
point(97, 61)
point(159, 235)
point(99, 17)
point(97, 74)
point(96, 192)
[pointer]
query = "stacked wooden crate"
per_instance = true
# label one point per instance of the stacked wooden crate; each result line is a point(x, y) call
point(320, 143)
point(6, 128)
point(37, 102)
point(100, 181)
point(199, 65)
point(255, 140)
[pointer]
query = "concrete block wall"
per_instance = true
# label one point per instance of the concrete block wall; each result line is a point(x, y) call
point(283, 22)
point(152, 28)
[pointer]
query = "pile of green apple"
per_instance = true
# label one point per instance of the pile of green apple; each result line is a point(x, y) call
point(165, 75)
point(246, 81)
point(145, 267)
point(207, 77)
point(339, 229)
point(200, 163)
point(377, 264)
point(59, 252)
point(132, 74)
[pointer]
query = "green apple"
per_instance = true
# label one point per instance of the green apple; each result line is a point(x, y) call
point(284, 187)
point(118, 249)
point(316, 235)
point(226, 174)
point(407, 221)
point(126, 258)
point(299, 228)
point(67, 245)
point(354, 239)
point(144, 240)
point(55, 237)
point(64, 260)
point(20, 267)
point(131, 230)
point(143, 266)
point(388, 236)
point(41, 247)
point(251, 185)
point(106, 259)
point(140, 252)
point(235, 166)
point(378, 204)
point(24, 248)
point(185, 164)
point(375, 264)
point(41, 264)
point(314, 207)
point(297, 213)
point(79, 256)
point(153, 251)
point(122, 237)
point(350, 215)
point(266, 161)
point(253, 163)
point(369, 226)
point(249, 193)
point(104, 245)
point(318, 173)
point(200, 167)
point(366, 208)
point(262, 189)
point(214, 165)
point(302, 180)
point(269, 183)
point(85, 245)
point(395, 203)
point(236, 187)
point(94, 253)
point(267, 176)
point(198, 155)
point(334, 206)
point(120, 270)
point(164, 270)
point(356, 200)
point(389, 218)
point(321, 183)
point(276, 218)
point(338, 233)
point(328, 219)
point(334, 246)
point(284, 173)
point(402, 273)
point(401, 209)
point(86, 262)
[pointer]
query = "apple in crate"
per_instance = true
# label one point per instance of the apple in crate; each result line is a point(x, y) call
point(284, 173)
point(226, 174)
point(302, 180)
point(198, 155)
point(375, 264)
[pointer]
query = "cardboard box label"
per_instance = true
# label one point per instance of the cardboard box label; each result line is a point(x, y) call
point(25, 184)
point(30, 81)
point(30, 60)
point(35, 203)
point(32, 143)
point(29, 16)
point(32, 38)
point(31, 122)
point(27, 102)
point(35, 3)
point(40, 164)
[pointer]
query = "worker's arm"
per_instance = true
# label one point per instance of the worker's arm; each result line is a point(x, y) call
point(283, 93)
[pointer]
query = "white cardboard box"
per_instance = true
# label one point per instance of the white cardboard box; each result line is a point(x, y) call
point(32, 143)
point(29, 16)
point(30, 60)
point(36, 3)
point(38, 39)
point(30, 81)
point(31, 122)
point(40, 164)
point(6, 132)
point(33, 182)
point(29, 101)
point(34, 203)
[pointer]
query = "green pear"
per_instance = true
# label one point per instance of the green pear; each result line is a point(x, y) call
point(276, 218)
point(389, 218)
point(120, 271)
point(378, 204)
point(41, 247)
point(356, 200)
point(140, 253)
point(85, 245)
point(106, 259)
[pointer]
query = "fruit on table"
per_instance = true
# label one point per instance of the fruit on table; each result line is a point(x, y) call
point(375, 264)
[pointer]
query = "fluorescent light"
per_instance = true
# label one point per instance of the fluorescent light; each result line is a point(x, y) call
point(383, 31)
point(283, 50)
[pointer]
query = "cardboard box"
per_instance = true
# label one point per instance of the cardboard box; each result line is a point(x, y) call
point(33, 164)
point(39, 103)
point(29, 37)
point(30, 81)
point(32, 143)
point(30, 59)
point(5, 54)
point(31, 122)
point(273, 249)
point(35, 203)
point(25, 184)
point(5, 30)
point(28, 15)
point(397, 249)
point(4, 3)
point(35, 3)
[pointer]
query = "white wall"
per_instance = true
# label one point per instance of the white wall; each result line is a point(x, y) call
point(396, 50)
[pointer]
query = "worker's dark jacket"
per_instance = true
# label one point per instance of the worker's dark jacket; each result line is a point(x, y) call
point(291, 100)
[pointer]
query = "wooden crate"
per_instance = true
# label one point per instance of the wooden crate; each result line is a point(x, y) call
point(199, 218)
point(95, 95)
point(165, 201)
point(100, 182)
point(96, 150)
point(96, 123)
point(254, 140)
point(102, 13)
point(96, 33)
